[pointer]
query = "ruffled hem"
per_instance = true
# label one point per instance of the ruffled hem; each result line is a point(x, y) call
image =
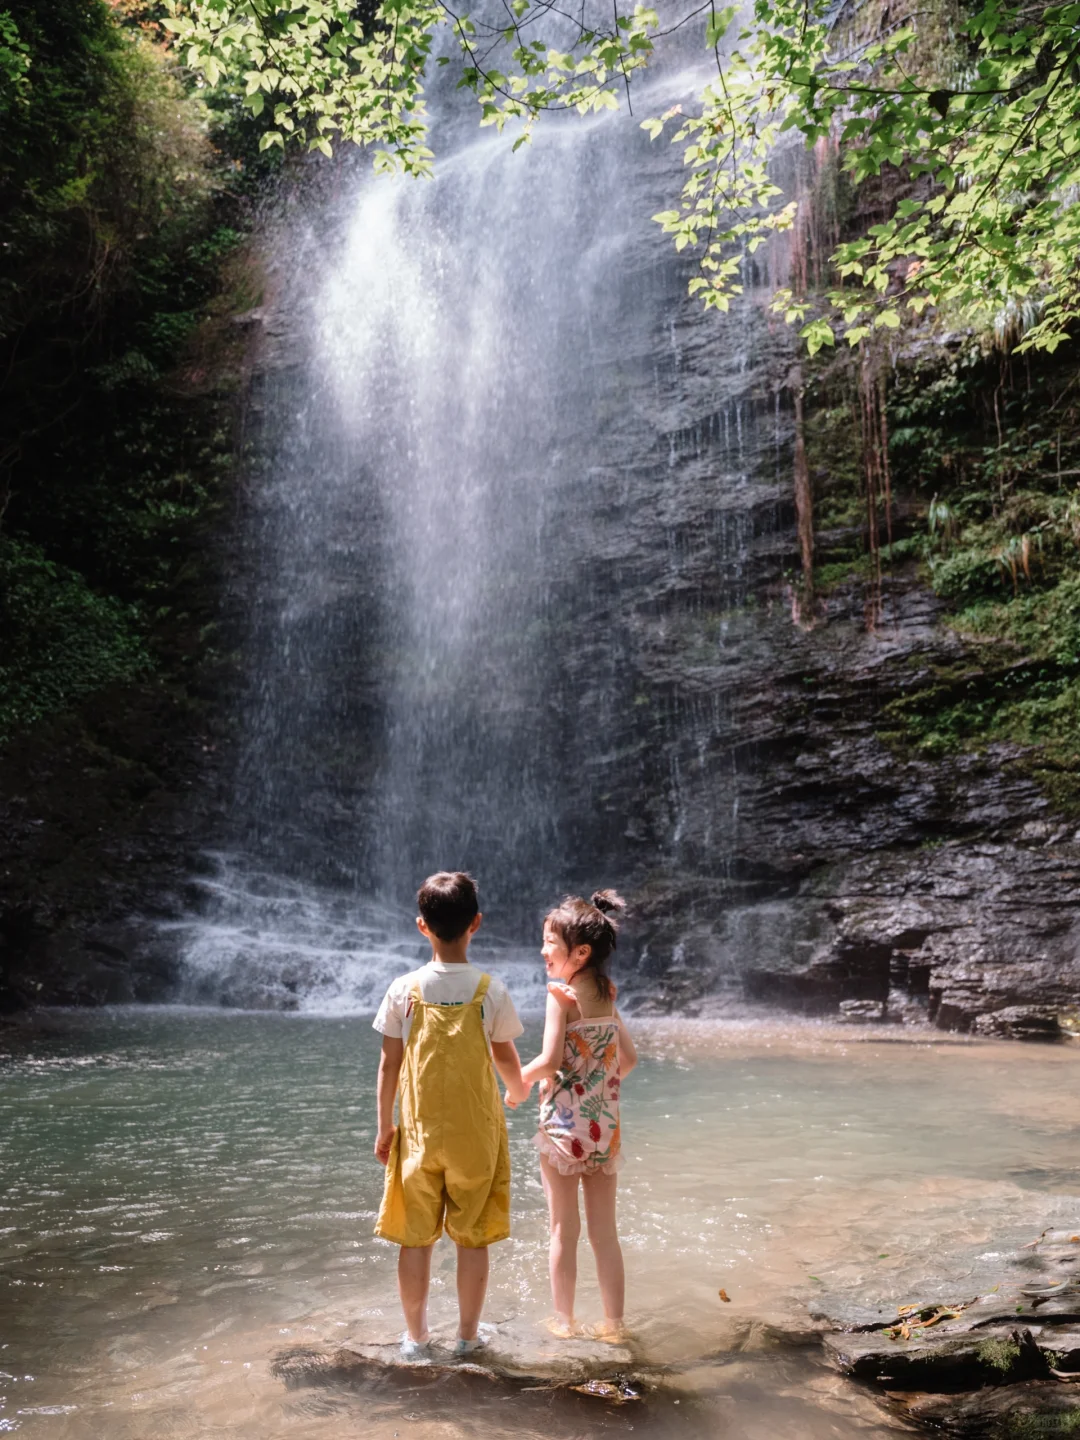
point(555, 1156)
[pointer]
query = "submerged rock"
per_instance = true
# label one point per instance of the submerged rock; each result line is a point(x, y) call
point(515, 1363)
point(1031, 1411)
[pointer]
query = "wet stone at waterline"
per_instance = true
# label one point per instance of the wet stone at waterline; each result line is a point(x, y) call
point(1007, 1353)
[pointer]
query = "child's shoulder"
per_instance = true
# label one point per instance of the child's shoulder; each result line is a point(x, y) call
point(498, 992)
point(409, 978)
point(563, 992)
point(401, 985)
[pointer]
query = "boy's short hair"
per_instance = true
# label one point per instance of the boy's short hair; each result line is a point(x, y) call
point(448, 903)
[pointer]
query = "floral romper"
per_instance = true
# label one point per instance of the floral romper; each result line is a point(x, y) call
point(579, 1115)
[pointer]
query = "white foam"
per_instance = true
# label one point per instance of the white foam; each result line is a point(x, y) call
point(265, 942)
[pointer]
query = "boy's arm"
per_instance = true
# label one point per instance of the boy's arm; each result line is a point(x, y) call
point(627, 1048)
point(550, 1057)
point(508, 1064)
point(393, 1051)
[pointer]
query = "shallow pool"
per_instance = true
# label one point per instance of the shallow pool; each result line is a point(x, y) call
point(188, 1193)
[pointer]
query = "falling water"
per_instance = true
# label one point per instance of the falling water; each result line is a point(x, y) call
point(504, 453)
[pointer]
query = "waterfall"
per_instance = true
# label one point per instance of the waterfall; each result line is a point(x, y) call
point(504, 454)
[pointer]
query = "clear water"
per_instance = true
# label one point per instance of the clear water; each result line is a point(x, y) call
point(189, 1193)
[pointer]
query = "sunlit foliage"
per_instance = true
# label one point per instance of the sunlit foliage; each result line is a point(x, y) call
point(990, 224)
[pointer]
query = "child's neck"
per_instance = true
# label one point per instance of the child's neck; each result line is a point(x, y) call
point(451, 952)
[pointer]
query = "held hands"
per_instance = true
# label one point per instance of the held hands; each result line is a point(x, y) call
point(517, 1095)
point(383, 1141)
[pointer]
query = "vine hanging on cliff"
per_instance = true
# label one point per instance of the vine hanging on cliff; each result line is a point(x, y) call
point(877, 480)
point(804, 497)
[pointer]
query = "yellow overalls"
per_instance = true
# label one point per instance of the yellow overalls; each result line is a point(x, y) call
point(450, 1154)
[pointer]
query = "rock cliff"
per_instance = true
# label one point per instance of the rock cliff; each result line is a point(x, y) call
point(734, 763)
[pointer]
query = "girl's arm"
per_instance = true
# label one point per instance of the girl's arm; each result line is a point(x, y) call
point(504, 1054)
point(627, 1048)
point(393, 1052)
point(550, 1057)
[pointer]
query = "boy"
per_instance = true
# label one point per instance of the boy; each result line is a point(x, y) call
point(448, 1158)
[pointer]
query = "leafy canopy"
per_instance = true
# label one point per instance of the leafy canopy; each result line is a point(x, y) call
point(991, 225)
point(329, 67)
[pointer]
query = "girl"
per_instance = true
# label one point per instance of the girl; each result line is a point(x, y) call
point(587, 1053)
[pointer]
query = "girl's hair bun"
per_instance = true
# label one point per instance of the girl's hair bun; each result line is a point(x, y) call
point(589, 922)
point(608, 901)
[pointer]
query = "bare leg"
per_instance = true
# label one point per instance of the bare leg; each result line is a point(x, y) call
point(603, 1237)
point(472, 1279)
point(414, 1280)
point(562, 1198)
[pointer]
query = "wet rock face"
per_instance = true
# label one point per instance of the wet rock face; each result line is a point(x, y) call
point(944, 890)
point(709, 752)
point(777, 847)
point(856, 882)
point(781, 850)
point(804, 861)
point(102, 817)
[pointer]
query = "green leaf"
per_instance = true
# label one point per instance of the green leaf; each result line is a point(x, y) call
point(998, 156)
point(716, 27)
point(816, 334)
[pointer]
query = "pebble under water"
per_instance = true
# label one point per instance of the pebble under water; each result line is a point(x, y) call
point(188, 1194)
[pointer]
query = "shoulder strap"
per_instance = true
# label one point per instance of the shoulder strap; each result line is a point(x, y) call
point(481, 990)
point(416, 993)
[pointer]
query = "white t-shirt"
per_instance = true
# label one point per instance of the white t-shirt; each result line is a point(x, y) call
point(444, 984)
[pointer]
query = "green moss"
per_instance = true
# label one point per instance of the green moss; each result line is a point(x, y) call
point(64, 640)
point(832, 447)
point(1021, 684)
point(984, 457)
point(1000, 1355)
point(1043, 1425)
point(828, 577)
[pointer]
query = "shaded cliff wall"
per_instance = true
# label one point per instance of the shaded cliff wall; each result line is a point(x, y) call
point(865, 803)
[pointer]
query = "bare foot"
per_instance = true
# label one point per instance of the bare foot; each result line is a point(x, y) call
point(610, 1332)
